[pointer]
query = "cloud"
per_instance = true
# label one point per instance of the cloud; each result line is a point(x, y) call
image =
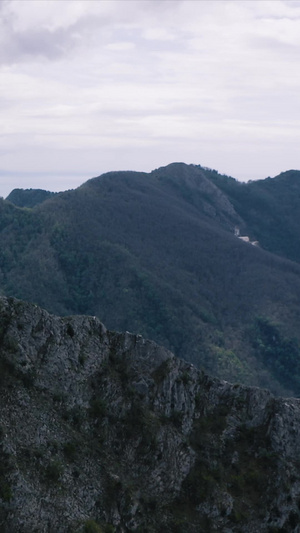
point(120, 46)
point(84, 83)
point(24, 44)
point(52, 29)
point(158, 34)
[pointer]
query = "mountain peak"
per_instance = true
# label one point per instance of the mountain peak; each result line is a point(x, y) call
point(28, 197)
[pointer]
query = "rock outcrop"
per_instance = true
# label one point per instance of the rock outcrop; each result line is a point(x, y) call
point(105, 431)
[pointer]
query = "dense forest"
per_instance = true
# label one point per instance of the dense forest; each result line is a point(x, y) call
point(158, 254)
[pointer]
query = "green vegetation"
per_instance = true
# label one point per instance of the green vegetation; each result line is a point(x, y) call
point(28, 197)
point(98, 408)
point(70, 450)
point(240, 463)
point(280, 354)
point(53, 471)
point(5, 470)
point(269, 209)
point(91, 526)
point(230, 366)
point(162, 371)
point(155, 254)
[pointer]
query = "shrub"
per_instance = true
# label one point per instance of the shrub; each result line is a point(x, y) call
point(91, 526)
point(69, 449)
point(54, 470)
point(70, 330)
point(98, 408)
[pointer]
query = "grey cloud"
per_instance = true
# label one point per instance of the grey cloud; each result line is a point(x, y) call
point(274, 44)
point(292, 3)
point(3, 3)
point(20, 46)
point(44, 43)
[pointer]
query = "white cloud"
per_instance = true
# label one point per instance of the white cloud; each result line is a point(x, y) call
point(143, 81)
point(120, 46)
point(158, 34)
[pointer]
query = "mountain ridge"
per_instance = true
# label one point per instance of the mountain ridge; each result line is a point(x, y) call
point(156, 254)
point(108, 432)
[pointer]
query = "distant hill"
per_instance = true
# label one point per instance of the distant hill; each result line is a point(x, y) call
point(157, 254)
point(28, 197)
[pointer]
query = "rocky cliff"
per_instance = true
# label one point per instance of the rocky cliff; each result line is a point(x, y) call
point(104, 431)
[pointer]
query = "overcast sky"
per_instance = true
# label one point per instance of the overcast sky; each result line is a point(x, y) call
point(92, 86)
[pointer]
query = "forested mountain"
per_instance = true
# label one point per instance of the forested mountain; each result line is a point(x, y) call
point(270, 209)
point(28, 197)
point(157, 254)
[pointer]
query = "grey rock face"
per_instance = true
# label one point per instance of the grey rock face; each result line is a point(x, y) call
point(104, 431)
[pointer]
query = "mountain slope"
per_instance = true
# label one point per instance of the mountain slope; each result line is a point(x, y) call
point(156, 254)
point(104, 431)
point(269, 208)
point(28, 197)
